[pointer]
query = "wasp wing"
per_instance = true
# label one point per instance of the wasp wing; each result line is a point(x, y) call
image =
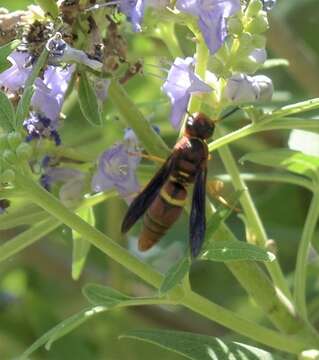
point(142, 202)
point(197, 221)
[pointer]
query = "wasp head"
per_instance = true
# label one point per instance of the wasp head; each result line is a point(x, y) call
point(199, 125)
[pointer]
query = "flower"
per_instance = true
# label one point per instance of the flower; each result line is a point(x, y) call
point(258, 55)
point(15, 77)
point(39, 126)
point(134, 11)
point(181, 82)
point(49, 94)
point(117, 167)
point(268, 4)
point(73, 181)
point(212, 15)
point(245, 88)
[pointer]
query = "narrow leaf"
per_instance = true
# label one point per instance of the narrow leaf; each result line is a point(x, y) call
point(88, 101)
point(230, 250)
point(103, 295)
point(175, 275)
point(199, 347)
point(287, 159)
point(270, 63)
point(7, 116)
point(62, 329)
point(49, 6)
point(302, 106)
point(5, 51)
point(24, 105)
point(81, 246)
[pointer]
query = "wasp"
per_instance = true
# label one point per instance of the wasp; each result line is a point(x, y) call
point(163, 199)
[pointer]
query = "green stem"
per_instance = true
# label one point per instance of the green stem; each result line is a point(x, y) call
point(151, 141)
point(252, 217)
point(272, 177)
point(262, 126)
point(302, 254)
point(191, 300)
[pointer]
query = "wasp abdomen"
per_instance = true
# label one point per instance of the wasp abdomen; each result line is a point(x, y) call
point(162, 214)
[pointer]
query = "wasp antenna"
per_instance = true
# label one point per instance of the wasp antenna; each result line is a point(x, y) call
point(229, 113)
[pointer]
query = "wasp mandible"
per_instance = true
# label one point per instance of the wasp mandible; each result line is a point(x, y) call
point(163, 199)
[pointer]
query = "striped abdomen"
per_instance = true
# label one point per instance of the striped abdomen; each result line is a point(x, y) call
point(162, 214)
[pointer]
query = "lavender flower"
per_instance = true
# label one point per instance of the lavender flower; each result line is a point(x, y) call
point(258, 55)
point(39, 126)
point(134, 11)
point(244, 88)
point(72, 180)
point(13, 79)
point(181, 82)
point(268, 4)
point(49, 93)
point(212, 15)
point(117, 167)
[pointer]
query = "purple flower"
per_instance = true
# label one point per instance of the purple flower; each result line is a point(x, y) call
point(268, 4)
point(245, 88)
point(13, 79)
point(49, 93)
point(39, 126)
point(180, 83)
point(212, 15)
point(72, 180)
point(117, 167)
point(134, 11)
point(258, 55)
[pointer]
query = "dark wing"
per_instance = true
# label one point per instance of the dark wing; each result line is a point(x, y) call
point(142, 202)
point(197, 221)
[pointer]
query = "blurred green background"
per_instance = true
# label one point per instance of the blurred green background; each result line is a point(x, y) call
point(36, 289)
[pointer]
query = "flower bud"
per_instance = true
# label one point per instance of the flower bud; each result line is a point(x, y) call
point(259, 41)
point(241, 88)
point(246, 45)
point(24, 151)
point(253, 8)
point(9, 156)
point(7, 176)
point(258, 24)
point(266, 88)
point(14, 139)
point(234, 26)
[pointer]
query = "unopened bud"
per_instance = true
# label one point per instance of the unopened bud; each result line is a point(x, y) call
point(266, 87)
point(253, 8)
point(259, 24)
point(14, 139)
point(234, 26)
point(259, 41)
point(24, 151)
point(9, 156)
point(246, 45)
point(7, 176)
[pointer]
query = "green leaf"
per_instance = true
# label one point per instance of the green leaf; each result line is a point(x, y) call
point(49, 6)
point(103, 295)
point(24, 105)
point(81, 246)
point(7, 116)
point(233, 250)
point(199, 347)
point(62, 329)
point(287, 159)
point(88, 101)
point(288, 110)
point(270, 63)
point(5, 51)
point(175, 275)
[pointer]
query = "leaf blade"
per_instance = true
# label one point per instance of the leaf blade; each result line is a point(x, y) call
point(24, 105)
point(7, 115)
point(232, 250)
point(5, 51)
point(88, 102)
point(199, 347)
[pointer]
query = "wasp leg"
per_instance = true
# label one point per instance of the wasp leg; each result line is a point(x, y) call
point(214, 188)
point(146, 156)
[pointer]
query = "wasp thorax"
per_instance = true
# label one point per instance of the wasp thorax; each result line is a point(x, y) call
point(199, 125)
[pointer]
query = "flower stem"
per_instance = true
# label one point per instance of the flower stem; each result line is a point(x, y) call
point(252, 217)
point(189, 299)
point(302, 254)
